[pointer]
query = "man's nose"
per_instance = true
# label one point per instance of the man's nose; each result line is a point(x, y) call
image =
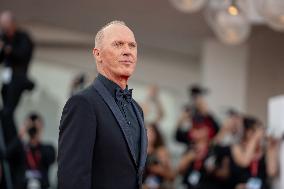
point(126, 50)
point(126, 53)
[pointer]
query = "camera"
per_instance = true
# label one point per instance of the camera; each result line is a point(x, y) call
point(32, 131)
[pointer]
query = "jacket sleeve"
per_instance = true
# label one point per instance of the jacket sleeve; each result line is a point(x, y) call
point(77, 133)
point(1, 55)
point(1, 49)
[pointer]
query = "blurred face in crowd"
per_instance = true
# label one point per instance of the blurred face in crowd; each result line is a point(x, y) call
point(249, 133)
point(117, 54)
point(200, 134)
point(236, 123)
point(34, 129)
point(256, 129)
point(7, 23)
point(201, 104)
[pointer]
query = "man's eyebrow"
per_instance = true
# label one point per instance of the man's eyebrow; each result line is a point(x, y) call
point(133, 43)
point(121, 41)
point(117, 41)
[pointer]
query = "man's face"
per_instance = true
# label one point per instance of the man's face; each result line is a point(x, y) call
point(6, 22)
point(117, 54)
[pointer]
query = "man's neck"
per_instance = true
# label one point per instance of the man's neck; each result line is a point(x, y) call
point(11, 32)
point(119, 80)
point(34, 142)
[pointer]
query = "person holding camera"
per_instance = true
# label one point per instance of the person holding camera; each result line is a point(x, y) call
point(255, 158)
point(196, 115)
point(38, 156)
point(16, 49)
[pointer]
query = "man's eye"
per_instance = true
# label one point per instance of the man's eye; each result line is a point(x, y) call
point(132, 45)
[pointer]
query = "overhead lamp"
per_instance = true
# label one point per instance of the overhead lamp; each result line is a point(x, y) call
point(230, 25)
point(233, 8)
point(273, 13)
point(188, 6)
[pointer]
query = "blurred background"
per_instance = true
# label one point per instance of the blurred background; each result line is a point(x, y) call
point(221, 59)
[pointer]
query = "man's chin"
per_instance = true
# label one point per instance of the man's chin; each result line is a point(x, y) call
point(127, 73)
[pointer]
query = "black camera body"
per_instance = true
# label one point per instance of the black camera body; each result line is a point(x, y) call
point(32, 131)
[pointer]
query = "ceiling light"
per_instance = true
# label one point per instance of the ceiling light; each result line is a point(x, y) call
point(189, 6)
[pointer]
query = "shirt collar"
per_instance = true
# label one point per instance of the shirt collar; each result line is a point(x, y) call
point(110, 85)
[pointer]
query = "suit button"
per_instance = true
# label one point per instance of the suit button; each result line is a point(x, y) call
point(128, 122)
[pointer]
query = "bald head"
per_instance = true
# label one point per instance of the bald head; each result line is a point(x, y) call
point(101, 33)
point(115, 51)
point(7, 21)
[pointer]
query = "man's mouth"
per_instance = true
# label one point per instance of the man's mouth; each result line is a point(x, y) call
point(126, 61)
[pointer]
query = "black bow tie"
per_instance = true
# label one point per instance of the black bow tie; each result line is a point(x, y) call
point(123, 94)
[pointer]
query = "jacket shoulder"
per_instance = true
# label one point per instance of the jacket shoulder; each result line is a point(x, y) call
point(87, 93)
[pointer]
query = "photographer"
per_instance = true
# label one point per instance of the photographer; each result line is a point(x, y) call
point(39, 156)
point(193, 163)
point(255, 157)
point(16, 50)
point(196, 115)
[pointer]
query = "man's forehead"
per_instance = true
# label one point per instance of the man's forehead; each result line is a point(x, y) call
point(6, 16)
point(119, 32)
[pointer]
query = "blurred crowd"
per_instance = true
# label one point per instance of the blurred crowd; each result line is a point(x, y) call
point(24, 158)
point(238, 154)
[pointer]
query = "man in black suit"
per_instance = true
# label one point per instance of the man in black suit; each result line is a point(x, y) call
point(102, 139)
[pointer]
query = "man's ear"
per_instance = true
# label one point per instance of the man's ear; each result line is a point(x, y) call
point(97, 54)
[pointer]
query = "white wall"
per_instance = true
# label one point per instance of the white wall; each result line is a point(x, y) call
point(265, 70)
point(224, 73)
point(49, 96)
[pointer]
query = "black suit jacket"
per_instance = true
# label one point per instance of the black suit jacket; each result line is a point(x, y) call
point(95, 149)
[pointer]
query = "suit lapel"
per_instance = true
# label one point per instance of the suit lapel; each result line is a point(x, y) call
point(143, 146)
point(109, 100)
